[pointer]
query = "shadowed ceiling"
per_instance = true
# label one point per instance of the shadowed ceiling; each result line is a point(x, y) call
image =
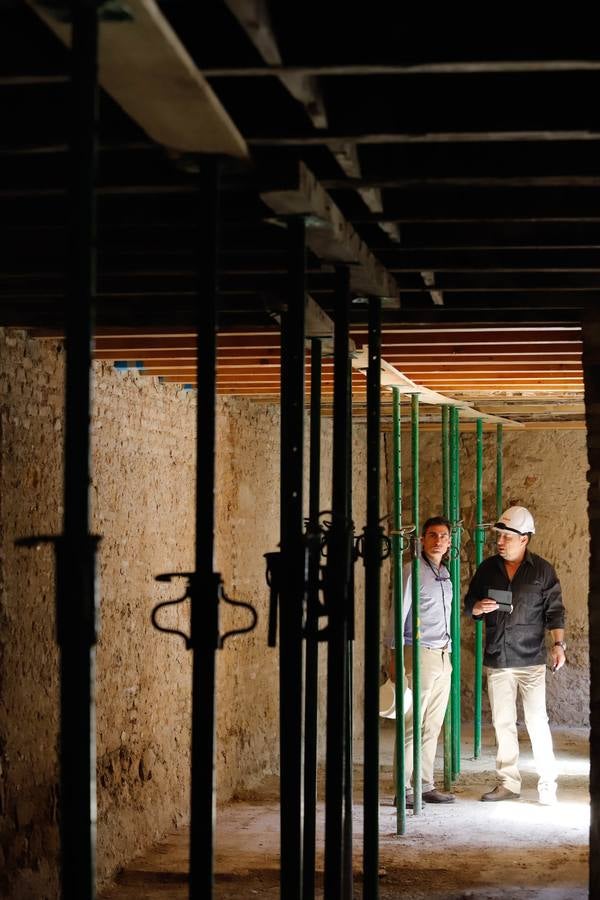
point(457, 176)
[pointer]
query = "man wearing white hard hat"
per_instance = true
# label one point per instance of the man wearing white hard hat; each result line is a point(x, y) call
point(520, 597)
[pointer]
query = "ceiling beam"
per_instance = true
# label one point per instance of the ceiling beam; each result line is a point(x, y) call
point(144, 66)
point(466, 67)
point(330, 237)
point(433, 137)
point(253, 16)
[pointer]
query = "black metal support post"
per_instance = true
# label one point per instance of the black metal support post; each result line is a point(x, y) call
point(76, 552)
point(347, 825)
point(205, 584)
point(293, 578)
point(311, 698)
point(373, 534)
point(337, 598)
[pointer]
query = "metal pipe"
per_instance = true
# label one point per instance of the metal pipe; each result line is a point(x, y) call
point(499, 455)
point(337, 584)
point(373, 534)
point(311, 698)
point(416, 610)
point(446, 461)
point(445, 450)
point(398, 586)
point(455, 576)
point(479, 539)
point(347, 874)
point(76, 551)
point(292, 565)
point(205, 585)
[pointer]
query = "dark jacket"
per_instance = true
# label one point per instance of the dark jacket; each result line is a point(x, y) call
point(518, 638)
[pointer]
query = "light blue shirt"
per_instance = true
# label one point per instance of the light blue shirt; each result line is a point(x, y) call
point(435, 596)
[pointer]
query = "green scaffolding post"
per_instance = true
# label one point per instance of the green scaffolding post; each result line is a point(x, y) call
point(499, 449)
point(455, 576)
point(446, 511)
point(397, 548)
point(416, 612)
point(479, 539)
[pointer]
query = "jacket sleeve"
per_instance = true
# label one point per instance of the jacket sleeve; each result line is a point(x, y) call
point(477, 591)
point(554, 610)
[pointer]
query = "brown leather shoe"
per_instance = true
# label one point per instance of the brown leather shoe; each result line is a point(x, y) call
point(435, 796)
point(499, 793)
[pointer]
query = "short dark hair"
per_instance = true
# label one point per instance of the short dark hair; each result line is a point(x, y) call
point(436, 520)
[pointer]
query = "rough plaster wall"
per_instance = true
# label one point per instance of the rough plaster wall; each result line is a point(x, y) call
point(31, 415)
point(142, 439)
point(143, 506)
point(545, 471)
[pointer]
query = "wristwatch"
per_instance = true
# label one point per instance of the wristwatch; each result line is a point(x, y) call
point(560, 644)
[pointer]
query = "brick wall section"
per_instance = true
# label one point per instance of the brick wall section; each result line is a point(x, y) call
point(143, 445)
point(31, 431)
point(591, 371)
point(545, 471)
point(143, 493)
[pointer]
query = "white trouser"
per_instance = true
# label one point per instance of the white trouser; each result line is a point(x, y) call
point(502, 690)
point(435, 673)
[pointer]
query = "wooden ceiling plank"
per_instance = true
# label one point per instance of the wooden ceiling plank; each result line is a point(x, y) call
point(253, 16)
point(435, 137)
point(332, 237)
point(144, 66)
point(454, 67)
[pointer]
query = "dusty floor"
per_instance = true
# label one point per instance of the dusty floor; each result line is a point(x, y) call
point(467, 850)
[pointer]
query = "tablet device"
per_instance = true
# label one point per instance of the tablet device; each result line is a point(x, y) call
point(502, 598)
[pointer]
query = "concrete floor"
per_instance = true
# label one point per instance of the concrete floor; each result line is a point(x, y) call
point(464, 850)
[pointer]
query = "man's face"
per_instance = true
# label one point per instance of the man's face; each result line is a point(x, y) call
point(511, 546)
point(436, 540)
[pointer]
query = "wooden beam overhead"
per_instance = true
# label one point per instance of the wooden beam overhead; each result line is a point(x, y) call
point(144, 66)
point(329, 235)
point(459, 67)
point(253, 16)
point(434, 137)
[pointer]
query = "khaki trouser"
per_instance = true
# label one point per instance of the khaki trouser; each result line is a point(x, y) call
point(502, 690)
point(435, 690)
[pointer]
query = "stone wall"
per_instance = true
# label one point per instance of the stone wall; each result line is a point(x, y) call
point(143, 506)
point(544, 470)
point(143, 442)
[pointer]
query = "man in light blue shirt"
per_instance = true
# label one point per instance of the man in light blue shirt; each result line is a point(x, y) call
point(435, 595)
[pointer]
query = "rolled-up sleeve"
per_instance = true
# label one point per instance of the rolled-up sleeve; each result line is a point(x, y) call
point(554, 609)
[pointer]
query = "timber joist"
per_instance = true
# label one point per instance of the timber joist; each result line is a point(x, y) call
point(460, 186)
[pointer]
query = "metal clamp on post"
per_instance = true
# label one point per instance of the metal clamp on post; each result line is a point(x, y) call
point(403, 533)
point(414, 546)
point(273, 577)
point(456, 526)
point(482, 527)
point(214, 640)
point(316, 545)
point(77, 573)
point(383, 538)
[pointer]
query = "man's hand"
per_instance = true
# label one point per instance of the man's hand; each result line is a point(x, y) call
point(558, 658)
point(485, 606)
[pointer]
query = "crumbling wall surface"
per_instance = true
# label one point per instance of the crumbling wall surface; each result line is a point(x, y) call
point(143, 438)
point(544, 470)
point(143, 489)
point(31, 403)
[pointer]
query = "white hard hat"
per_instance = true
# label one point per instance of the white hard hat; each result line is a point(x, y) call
point(517, 519)
point(387, 700)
